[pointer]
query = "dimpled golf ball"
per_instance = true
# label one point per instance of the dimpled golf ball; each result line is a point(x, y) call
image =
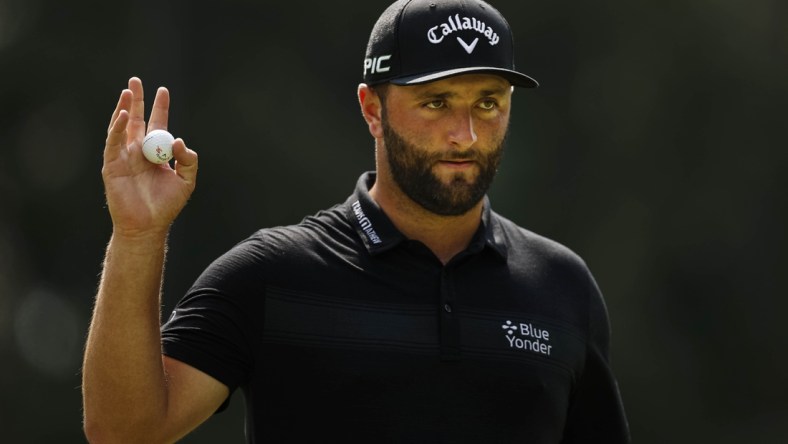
point(157, 146)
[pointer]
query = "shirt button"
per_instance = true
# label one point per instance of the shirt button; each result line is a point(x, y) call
point(447, 307)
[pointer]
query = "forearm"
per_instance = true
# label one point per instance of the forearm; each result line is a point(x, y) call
point(124, 383)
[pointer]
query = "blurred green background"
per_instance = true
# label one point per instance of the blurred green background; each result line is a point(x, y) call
point(654, 148)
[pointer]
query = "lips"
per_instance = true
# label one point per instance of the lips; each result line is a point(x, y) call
point(456, 164)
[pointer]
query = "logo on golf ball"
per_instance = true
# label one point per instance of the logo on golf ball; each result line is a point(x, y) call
point(157, 146)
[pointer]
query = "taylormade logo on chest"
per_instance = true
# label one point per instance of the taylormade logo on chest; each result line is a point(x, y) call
point(365, 223)
point(437, 33)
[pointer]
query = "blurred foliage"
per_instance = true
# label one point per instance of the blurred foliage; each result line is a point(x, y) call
point(654, 148)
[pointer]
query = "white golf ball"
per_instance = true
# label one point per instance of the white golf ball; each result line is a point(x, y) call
point(157, 146)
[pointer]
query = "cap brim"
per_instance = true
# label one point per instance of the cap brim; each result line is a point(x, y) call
point(514, 77)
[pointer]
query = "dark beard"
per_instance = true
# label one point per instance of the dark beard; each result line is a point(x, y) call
point(411, 169)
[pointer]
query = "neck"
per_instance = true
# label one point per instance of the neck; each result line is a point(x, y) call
point(445, 236)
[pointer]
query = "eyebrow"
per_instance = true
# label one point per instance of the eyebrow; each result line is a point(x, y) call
point(495, 91)
point(432, 93)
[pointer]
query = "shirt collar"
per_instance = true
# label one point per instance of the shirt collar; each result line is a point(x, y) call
point(370, 222)
point(491, 230)
point(379, 234)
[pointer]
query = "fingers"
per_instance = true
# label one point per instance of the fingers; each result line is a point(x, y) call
point(116, 132)
point(161, 110)
point(136, 128)
point(116, 136)
point(159, 114)
point(123, 103)
point(127, 124)
point(185, 161)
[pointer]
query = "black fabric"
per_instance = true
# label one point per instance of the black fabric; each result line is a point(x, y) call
point(341, 329)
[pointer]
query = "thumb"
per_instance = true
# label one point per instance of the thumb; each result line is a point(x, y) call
point(185, 161)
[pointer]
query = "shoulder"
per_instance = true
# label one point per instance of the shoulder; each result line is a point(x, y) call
point(559, 275)
point(327, 229)
point(285, 245)
point(551, 269)
point(535, 249)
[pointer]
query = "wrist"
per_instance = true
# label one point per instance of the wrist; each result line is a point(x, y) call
point(136, 241)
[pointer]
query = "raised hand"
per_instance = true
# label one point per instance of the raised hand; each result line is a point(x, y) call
point(144, 198)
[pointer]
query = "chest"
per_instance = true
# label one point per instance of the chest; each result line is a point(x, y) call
point(468, 345)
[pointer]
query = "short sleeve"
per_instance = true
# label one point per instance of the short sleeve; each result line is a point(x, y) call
point(211, 326)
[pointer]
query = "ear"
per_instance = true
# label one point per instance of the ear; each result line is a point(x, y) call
point(371, 109)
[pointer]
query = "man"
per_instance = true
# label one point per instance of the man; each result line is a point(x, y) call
point(409, 313)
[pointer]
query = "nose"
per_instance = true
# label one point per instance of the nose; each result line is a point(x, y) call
point(462, 134)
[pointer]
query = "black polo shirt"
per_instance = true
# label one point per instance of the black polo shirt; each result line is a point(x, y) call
point(340, 329)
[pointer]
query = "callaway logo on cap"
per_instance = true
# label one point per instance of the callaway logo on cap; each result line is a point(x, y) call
point(418, 41)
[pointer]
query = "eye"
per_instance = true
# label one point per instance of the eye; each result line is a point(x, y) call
point(435, 104)
point(488, 104)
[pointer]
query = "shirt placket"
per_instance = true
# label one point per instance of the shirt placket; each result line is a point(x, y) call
point(449, 324)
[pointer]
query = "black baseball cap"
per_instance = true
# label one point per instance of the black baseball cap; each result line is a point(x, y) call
point(419, 41)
